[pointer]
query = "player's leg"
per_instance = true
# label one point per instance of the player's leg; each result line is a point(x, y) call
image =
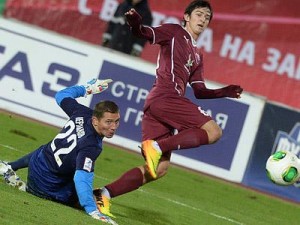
point(154, 129)
point(129, 181)
point(8, 171)
point(138, 176)
point(208, 133)
point(135, 178)
point(21, 162)
point(40, 180)
point(213, 130)
point(195, 128)
point(163, 166)
point(36, 173)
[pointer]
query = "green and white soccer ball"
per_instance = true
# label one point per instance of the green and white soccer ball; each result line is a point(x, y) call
point(283, 168)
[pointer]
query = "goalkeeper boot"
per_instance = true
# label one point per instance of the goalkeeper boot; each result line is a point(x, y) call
point(4, 167)
point(10, 176)
point(152, 154)
point(102, 202)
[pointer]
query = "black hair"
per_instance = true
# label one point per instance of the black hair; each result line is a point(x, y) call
point(105, 106)
point(198, 4)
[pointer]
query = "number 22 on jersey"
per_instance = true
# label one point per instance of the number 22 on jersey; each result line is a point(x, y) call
point(71, 140)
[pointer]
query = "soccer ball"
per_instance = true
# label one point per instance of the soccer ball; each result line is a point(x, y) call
point(283, 168)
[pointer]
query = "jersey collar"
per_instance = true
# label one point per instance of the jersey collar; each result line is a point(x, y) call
point(194, 42)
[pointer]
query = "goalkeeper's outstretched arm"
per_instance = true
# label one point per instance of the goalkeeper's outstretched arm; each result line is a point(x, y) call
point(66, 97)
point(94, 86)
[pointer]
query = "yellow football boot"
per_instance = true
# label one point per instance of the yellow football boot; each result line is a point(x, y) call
point(152, 156)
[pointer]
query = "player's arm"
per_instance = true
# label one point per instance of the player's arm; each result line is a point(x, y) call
point(83, 183)
point(202, 92)
point(66, 97)
point(94, 86)
point(139, 43)
point(134, 20)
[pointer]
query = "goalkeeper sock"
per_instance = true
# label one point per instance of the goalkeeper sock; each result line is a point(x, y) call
point(21, 163)
point(189, 138)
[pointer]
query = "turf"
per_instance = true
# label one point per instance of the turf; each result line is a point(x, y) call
point(181, 198)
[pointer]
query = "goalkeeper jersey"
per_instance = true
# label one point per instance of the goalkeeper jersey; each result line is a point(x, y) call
point(76, 147)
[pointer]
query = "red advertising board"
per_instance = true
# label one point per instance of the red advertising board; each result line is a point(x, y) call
point(249, 42)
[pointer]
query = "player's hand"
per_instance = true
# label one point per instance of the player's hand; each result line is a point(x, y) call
point(96, 86)
point(133, 18)
point(99, 216)
point(232, 91)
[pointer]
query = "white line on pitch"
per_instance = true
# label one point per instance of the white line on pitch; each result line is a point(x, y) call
point(185, 205)
point(10, 147)
point(166, 199)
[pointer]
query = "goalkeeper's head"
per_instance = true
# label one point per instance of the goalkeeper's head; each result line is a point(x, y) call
point(106, 118)
point(105, 106)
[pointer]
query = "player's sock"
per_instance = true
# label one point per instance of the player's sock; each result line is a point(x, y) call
point(157, 147)
point(189, 138)
point(129, 181)
point(106, 193)
point(22, 162)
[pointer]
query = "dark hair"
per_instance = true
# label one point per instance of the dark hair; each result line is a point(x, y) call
point(198, 4)
point(105, 106)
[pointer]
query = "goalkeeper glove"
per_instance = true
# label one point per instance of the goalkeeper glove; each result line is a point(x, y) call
point(96, 86)
point(99, 216)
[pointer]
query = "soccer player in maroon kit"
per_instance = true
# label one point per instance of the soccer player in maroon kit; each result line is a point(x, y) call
point(166, 108)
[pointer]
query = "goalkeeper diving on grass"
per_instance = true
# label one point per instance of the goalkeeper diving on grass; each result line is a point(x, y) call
point(63, 169)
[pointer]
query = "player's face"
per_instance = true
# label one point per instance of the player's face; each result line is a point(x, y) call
point(197, 21)
point(107, 125)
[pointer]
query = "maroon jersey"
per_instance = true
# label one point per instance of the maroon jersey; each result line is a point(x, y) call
point(179, 61)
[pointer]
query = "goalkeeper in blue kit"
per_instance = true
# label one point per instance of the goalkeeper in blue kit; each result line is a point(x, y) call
point(63, 169)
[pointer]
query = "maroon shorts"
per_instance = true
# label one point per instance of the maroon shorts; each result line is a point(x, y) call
point(164, 115)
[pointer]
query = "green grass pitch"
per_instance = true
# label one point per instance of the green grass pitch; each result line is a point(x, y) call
point(181, 198)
